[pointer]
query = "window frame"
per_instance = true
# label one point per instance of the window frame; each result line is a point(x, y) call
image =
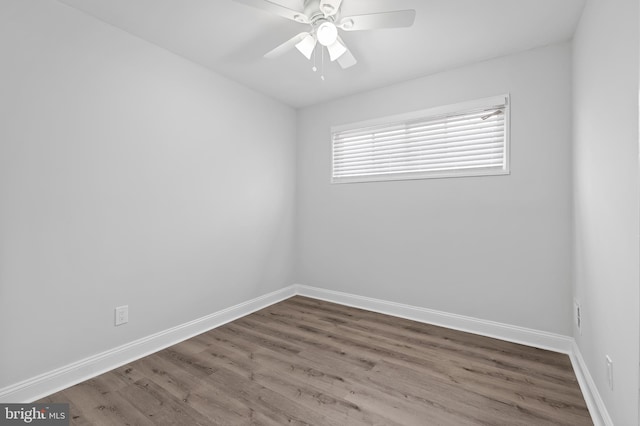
point(457, 108)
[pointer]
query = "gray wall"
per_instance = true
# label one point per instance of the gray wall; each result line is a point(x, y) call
point(606, 198)
point(127, 176)
point(496, 248)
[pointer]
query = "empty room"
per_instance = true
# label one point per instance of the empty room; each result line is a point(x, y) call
point(324, 212)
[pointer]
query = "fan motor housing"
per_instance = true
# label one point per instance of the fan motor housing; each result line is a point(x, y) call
point(314, 13)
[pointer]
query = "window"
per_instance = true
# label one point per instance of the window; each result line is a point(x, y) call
point(468, 139)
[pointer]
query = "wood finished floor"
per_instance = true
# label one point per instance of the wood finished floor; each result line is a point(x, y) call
point(304, 361)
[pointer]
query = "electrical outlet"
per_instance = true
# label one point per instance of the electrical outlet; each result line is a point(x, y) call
point(122, 315)
point(577, 316)
point(609, 371)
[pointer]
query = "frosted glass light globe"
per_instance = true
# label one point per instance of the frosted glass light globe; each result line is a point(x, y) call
point(327, 33)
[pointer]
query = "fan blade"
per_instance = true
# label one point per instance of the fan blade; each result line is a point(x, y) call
point(306, 45)
point(374, 21)
point(346, 60)
point(336, 50)
point(286, 46)
point(330, 7)
point(276, 9)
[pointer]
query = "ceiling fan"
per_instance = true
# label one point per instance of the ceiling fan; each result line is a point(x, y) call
point(325, 19)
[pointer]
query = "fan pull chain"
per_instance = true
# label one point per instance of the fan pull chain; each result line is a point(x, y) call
point(322, 65)
point(314, 68)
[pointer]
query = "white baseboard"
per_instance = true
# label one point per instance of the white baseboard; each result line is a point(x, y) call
point(597, 409)
point(511, 333)
point(71, 374)
point(45, 384)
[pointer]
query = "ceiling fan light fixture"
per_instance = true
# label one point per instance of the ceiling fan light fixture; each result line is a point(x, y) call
point(336, 50)
point(306, 45)
point(327, 33)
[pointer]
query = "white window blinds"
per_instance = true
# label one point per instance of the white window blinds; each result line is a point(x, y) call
point(457, 140)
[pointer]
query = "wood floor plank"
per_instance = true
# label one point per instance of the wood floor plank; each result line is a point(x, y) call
point(306, 361)
point(75, 418)
point(98, 406)
point(269, 403)
point(431, 335)
point(161, 407)
point(435, 398)
point(555, 374)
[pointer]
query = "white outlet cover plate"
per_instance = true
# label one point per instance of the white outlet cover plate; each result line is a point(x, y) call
point(122, 315)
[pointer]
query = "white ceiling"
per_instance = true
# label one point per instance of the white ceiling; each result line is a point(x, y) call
point(230, 38)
